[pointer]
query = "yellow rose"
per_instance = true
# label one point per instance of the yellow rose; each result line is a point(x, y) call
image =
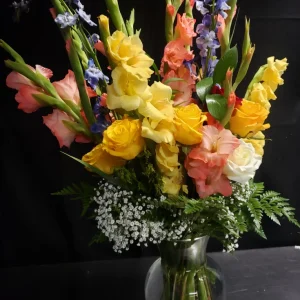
point(127, 91)
point(273, 72)
point(102, 160)
point(188, 123)
point(258, 142)
point(173, 184)
point(167, 158)
point(123, 139)
point(248, 119)
point(128, 52)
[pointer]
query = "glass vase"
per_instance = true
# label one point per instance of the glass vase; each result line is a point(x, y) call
point(185, 272)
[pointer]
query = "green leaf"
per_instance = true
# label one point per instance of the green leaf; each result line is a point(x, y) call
point(109, 178)
point(228, 61)
point(75, 127)
point(203, 87)
point(217, 106)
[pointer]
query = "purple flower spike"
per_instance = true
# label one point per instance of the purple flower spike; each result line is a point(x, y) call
point(66, 19)
point(200, 7)
point(93, 75)
point(78, 4)
point(84, 16)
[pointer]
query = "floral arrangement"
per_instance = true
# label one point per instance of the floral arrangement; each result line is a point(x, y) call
point(175, 148)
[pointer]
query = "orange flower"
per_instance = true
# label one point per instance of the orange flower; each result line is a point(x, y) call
point(175, 54)
point(185, 29)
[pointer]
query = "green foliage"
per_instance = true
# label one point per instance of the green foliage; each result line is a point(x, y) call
point(82, 191)
point(203, 88)
point(228, 61)
point(98, 238)
point(217, 106)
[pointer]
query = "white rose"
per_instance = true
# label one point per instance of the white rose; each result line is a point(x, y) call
point(242, 163)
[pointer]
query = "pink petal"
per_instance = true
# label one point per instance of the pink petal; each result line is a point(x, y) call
point(44, 71)
point(54, 122)
point(26, 102)
point(91, 93)
point(100, 47)
point(67, 88)
point(82, 139)
point(210, 136)
point(68, 45)
point(227, 142)
point(15, 80)
point(53, 12)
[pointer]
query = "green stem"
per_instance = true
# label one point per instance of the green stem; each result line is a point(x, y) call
point(116, 16)
point(169, 20)
point(77, 68)
point(188, 9)
point(257, 78)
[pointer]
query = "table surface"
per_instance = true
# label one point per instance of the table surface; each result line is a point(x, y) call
point(262, 274)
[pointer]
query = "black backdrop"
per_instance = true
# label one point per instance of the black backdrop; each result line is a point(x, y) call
point(36, 228)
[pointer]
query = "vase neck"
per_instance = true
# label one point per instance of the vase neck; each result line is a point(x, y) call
point(185, 254)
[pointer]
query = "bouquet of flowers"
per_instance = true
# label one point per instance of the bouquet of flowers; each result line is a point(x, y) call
point(175, 148)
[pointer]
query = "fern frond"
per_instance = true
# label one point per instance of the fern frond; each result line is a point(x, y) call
point(81, 191)
point(255, 210)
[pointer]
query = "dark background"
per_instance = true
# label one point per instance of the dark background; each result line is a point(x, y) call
point(37, 228)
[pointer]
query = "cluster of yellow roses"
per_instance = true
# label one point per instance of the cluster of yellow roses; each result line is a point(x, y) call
point(156, 117)
point(248, 120)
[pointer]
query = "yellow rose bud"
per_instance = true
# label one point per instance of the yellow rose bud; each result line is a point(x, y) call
point(127, 91)
point(248, 119)
point(102, 160)
point(167, 158)
point(258, 142)
point(123, 139)
point(128, 52)
point(188, 123)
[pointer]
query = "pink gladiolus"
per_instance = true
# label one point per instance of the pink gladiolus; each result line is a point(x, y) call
point(26, 88)
point(25, 99)
point(175, 54)
point(55, 123)
point(82, 139)
point(185, 86)
point(205, 162)
point(221, 29)
point(185, 29)
point(67, 88)
point(68, 45)
point(53, 12)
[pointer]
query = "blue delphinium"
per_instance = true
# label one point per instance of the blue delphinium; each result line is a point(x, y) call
point(66, 19)
point(93, 74)
point(85, 17)
point(78, 4)
point(94, 38)
point(100, 113)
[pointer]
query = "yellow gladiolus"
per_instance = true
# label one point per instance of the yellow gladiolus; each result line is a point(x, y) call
point(102, 160)
point(160, 106)
point(167, 158)
point(260, 95)
point(248, 119)
point(123, 139)
point(258, 142)
point(159, 132)
point(173, 184)
point(273, 72)
point(128, 52)
point(188, 123)
point(127, 91)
